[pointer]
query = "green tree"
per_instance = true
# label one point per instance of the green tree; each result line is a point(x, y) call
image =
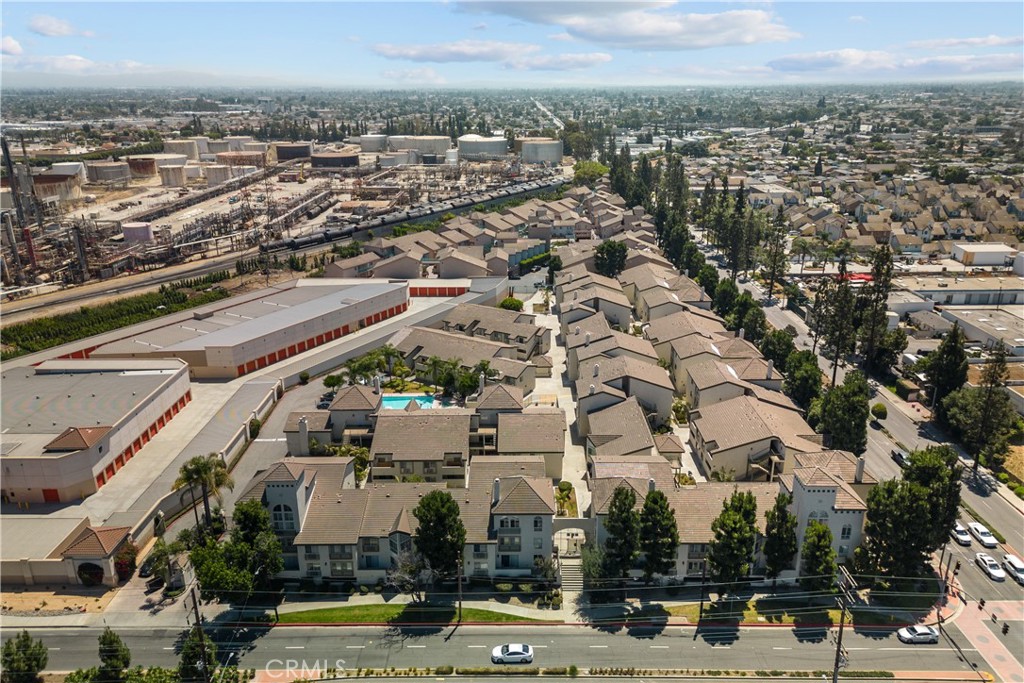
point(435, 369)
point(610, 258)
point(780, 542)
point(845, 413)
point(707, 278)
point(441, 536)
point(222, 571)
point(874, 298)
point(802, 248)
point(777, 346)
point(554, 266)
point(115, 657)
point(837, 329)
point(510, 303)
point(210, 474)
point(937, 470)
point(198, 657)
point(732, 543)
point(803, 378)
point(818, 558)
point(946, 368)
point(983, 417)
point(623, 529)
point(587, 172)
point(754, 324)
point(161, 556)
point(895, 547)
point(659, 537)
point(22, 659)
point(889, 348)
point(771, 255)
point(254, 546)
point(726, 294)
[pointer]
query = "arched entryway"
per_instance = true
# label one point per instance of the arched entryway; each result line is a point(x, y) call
point(90, 574)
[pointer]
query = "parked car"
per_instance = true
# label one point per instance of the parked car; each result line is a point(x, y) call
point(918, 634)
point(1014, 567)
point(989, 565)
point(984, 536)
point(960, 535)
point(323, 405)
point(512, 653)
point(146, 568)
point(901, 457)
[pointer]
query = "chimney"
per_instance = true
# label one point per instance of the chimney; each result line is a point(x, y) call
point(650, 485)
point(740, 333)
point(577, 329)
point(858, 477)
point(376, 384)
point(586, 339)
point(597, 369)
point(771, 369)
point(303, 436)
point(482, 381)
point(496, 491)
point(591, 392)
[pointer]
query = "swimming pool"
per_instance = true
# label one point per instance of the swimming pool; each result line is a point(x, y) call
point(400, 401)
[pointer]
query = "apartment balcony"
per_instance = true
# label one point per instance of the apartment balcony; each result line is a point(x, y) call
point(341, 556)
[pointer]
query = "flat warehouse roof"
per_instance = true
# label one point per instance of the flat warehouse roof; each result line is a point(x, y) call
point(34, 537)
point(48, 401)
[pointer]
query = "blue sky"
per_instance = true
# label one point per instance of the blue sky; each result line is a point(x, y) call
point(516, 43)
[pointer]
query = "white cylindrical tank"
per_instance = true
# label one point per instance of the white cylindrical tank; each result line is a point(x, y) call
point(542, 151)
point(108, 171)
point(424, 144)
point(218, 146)
point(187, 147)
point(373, 143)
point(261, 147)
point(202, 142)
point(137, 233)
point(70, 168)
point(237, 142)
point(451, 157)
point(193, 171)
point(217, 175)
point(166, 159)
point(172, 176)
point(474, 146)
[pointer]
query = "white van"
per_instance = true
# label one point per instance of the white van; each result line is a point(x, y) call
point(1014, 567)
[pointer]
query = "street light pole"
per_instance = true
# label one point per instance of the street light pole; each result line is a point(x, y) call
point(459, 575)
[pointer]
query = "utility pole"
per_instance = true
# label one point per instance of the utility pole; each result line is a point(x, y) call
point(846, 586)
point(459, 575)
point(703, 578)
point(200, 635)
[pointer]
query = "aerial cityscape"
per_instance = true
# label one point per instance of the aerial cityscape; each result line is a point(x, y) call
point(481, 340)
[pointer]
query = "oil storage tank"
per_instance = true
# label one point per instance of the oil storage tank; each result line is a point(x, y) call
point(241, 158)
point(218, 146)
point(474, 147)
point(424, 144)
point(261, 147)
point(142, 167)
point(237, 142)
point(334, 159)
point(172, 176)
point(217, 174)
point(293, 150)
point(541, 151)
point(202, 143)
point(373, 142)
point(187, 147)
point(108, 171)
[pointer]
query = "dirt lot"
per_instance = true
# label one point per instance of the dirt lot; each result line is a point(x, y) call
point(1015, 462)
point(56, 599)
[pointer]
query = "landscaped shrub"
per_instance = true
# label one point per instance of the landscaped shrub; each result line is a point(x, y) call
point(444, 670)
point(303, 377)
point(573, 671)
point(503, 587)
point(879, 411)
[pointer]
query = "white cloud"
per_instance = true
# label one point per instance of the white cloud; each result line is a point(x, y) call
point(985, 41)
point(73, 64)
point(857, 19)
point(562, 62)
point(854, 64)
point(10, 46)
point(563, 37)
point(480, 27)
point(423, 76)
point(458, 51)
point(646, 26)
point(52, 27)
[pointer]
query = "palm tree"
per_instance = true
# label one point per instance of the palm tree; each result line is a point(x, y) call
point(161, 557)
point(389, 354)
point(210, 474)
point(484, 367)
point(842, 249)
point(435, 366)
point(803, 249)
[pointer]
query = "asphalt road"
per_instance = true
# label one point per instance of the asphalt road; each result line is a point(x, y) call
point(671, 647)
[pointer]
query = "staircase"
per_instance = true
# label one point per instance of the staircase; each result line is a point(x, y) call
point(572, 575)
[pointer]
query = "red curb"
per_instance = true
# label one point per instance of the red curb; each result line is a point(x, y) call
point(591, 624)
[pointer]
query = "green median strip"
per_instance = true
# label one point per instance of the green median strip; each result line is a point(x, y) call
point(398, 614)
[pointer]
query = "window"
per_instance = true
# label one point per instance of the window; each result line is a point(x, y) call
point(538, 524)
point(844, 550)
point(846, 532)
point(509, 523)
point(371, 545)
point(538, 544)
point(282, 518)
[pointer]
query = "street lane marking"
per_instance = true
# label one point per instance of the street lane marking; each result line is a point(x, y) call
point(598, 646)
point(789, 648)
point(534, 647)
point(659, 647)
point(354, 647)
point(476, 646)
point(415, 645)
point(53, 649)
point(295, 647)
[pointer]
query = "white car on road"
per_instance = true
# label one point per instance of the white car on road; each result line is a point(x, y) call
point(960, 535)
point(512, 653)
point(989, 565)
point(984, 536)
point(918, 634)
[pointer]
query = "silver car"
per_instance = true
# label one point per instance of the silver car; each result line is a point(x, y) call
point(960, 535)
point(512, 653)
point(989, 565)
point(918, 634)
point(984, 536)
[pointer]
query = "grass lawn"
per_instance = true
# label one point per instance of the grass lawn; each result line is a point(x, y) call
point(797, 612)
point(399, 614)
